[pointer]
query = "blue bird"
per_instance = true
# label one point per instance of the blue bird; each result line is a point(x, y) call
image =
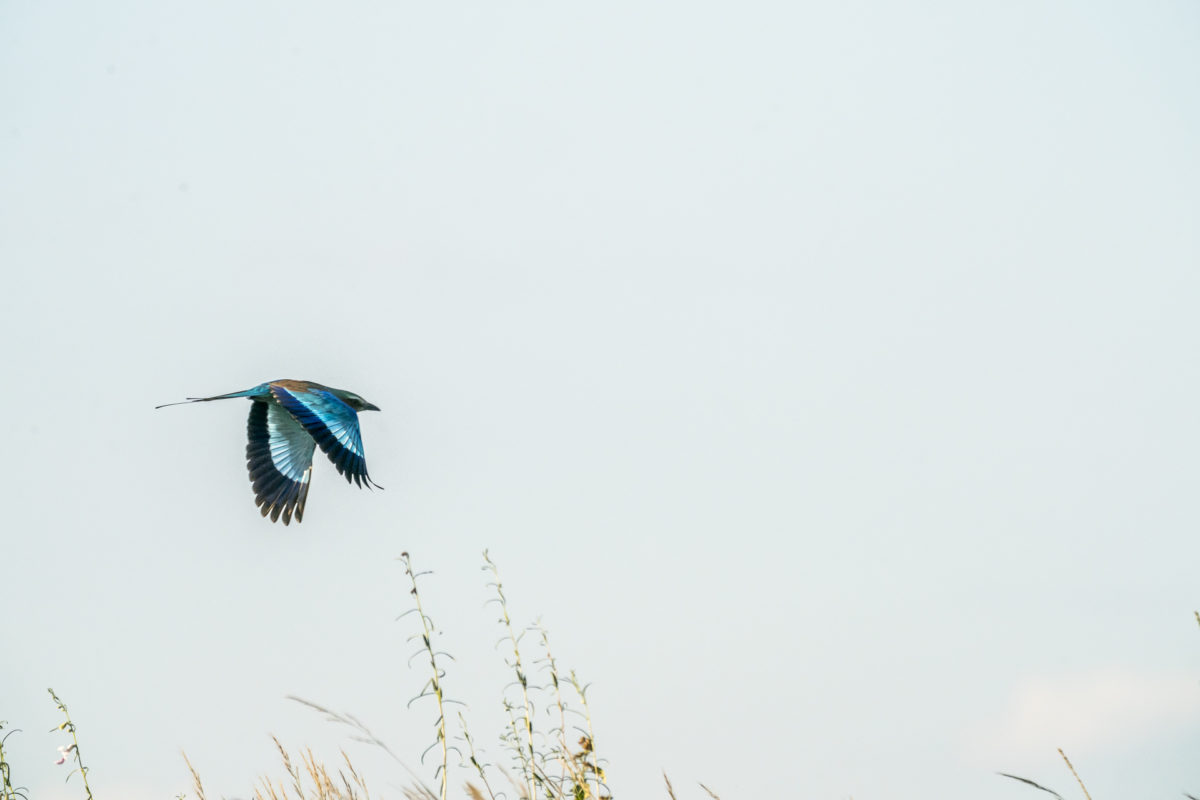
point(288, 419)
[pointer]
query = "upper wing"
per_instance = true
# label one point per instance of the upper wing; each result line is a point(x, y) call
point(334, 426)
point(279, 455)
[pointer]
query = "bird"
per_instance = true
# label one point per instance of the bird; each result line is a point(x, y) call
point(288, 420)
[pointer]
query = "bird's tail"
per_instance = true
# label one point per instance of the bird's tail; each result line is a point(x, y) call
point(255, 392)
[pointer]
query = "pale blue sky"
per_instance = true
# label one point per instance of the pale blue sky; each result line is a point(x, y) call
point(823, 375)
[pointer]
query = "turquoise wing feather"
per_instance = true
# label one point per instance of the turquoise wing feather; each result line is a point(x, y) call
point(279, 455)
point(333, 424)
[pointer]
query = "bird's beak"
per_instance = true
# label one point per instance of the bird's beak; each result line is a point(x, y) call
point(369, 406)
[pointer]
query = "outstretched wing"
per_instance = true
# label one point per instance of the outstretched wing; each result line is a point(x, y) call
point(334, 426)
point(279, 455)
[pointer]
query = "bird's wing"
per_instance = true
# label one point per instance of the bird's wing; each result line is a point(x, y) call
point(279, 455)
point(334, 426)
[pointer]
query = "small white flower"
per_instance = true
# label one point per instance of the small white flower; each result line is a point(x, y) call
point(63, 752)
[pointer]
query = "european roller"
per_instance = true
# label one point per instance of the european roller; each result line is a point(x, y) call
point(288, 419)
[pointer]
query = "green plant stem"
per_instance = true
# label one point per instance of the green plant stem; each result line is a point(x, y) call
point(435, 682)
point(70, 727)
point(522, 679)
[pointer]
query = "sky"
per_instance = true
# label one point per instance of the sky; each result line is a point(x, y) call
point(822, 376)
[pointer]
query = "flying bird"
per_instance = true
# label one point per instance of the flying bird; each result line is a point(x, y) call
point(288, 420)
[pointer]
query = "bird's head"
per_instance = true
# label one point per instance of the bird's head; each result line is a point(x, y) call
point(356, 402)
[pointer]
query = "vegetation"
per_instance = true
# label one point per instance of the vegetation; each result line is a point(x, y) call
point(544, 764)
